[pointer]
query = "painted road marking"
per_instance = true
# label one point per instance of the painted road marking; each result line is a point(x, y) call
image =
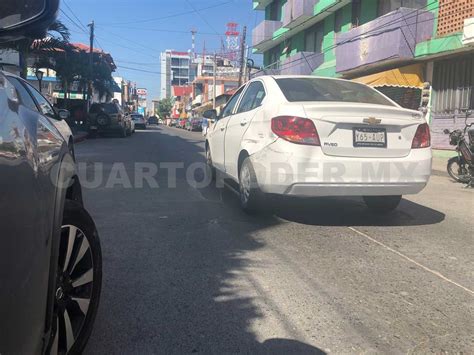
point(434, 272)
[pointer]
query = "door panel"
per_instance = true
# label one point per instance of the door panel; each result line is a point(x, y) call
point(29, 149)
point(217, 143)
point(240, 121)
point(217, 134)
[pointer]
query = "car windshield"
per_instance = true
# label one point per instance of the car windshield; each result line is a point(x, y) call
point(309, 89)
point(137, 117)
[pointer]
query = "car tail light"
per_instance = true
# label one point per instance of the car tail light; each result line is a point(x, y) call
point(422, 137)
point(296, 130)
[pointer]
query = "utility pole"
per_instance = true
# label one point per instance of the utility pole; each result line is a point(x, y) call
point(91, 54)
point(242, 55)
point(214, 82)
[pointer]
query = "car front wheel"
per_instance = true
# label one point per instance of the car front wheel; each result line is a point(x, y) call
point(382, 204)
point(78, 281)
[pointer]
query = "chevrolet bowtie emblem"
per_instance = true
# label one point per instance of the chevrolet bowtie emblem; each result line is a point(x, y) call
point(372, 120)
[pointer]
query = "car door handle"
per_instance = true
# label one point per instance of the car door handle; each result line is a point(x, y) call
point(244, 122)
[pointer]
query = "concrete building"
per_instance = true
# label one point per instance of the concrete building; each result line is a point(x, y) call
point(181, 68)
point(418, 52)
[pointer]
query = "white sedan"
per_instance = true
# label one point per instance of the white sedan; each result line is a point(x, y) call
point(309, 136)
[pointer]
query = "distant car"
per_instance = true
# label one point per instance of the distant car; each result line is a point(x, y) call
point(153, 120)
point(308, 136)
point(194, 124)
point(139, 120)
point(63, 127)
point(109, 117)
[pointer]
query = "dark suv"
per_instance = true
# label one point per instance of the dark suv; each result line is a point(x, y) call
point(109, 117)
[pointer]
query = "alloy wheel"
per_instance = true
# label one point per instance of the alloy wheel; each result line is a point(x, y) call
point(75, 281)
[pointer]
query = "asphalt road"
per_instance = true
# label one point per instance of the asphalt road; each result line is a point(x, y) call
point(186, 271)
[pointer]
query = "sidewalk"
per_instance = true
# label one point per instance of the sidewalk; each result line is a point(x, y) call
point(440, 161)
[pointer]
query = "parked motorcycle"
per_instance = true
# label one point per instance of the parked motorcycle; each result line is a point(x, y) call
point(461, 167)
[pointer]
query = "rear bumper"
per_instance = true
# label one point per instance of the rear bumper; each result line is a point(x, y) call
point(288, 169)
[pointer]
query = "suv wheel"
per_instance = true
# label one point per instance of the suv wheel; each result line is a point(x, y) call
point(78, 281)
point(102, 120)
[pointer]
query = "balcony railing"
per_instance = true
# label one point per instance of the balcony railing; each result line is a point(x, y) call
point(392, 37)
point(263, 33)
point(297, 11)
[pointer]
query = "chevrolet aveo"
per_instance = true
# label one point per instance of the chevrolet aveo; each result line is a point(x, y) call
point(308, 136)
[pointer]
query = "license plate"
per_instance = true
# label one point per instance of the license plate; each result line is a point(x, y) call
point(93, 127)
point(370, 137)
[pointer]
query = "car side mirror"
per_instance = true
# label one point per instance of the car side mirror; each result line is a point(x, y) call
point(63, 114)
point(26, 18)
point(211, 114)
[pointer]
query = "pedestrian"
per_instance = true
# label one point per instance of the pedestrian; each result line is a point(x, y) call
point(205, 126)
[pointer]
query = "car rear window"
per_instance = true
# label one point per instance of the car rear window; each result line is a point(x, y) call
point(317, 89)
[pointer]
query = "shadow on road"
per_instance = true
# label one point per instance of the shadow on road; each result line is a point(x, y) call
point(330, 211)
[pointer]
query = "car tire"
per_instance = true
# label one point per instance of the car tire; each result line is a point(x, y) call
point(78, 282)
point(250, 195)
point(382, 204)
point(210, 167)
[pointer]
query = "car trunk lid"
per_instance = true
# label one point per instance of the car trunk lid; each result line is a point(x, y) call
point(363, 130)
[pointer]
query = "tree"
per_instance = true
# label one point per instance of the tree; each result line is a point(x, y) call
point(57, 39)
point(164, 107)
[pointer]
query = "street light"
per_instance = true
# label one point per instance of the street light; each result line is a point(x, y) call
point(39, 75)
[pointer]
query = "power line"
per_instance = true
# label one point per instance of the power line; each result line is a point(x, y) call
point(140, 70)
point(72, 21)
point(171, 15)
point(353, 38)
point(201, 16)
point(73, 14)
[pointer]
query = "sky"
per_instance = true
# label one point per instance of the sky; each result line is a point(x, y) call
point(134, 32)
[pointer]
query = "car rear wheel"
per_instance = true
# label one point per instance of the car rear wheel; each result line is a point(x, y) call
point(250, 194)
point(78, 281)
point(382, 204)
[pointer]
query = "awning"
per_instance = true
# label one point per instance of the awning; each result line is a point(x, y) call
point(410, 76)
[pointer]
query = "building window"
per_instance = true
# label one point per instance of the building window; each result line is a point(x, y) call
point(338, 18)
point(313, 38)
point(275, 10)
point(356, 13)
point(274, 57)
point(386, 6)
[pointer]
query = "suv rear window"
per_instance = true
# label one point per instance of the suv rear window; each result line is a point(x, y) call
point(109, 108)
point(317, 89)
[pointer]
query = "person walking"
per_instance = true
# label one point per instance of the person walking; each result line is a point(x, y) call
point(205, 126)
